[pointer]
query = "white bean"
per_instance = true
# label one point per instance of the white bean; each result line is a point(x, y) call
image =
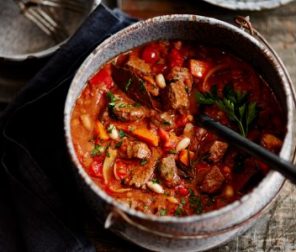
point(160, 80)
point(114, 132)
point(86, 121)
point(183, 144)
point(155, 187)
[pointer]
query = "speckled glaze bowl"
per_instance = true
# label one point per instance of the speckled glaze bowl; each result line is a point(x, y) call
point(200, 232)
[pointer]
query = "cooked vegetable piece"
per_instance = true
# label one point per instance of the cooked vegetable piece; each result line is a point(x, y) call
point(147, 136)
point(198, 68)
point(271, 142)
point(108, 164)
point(100, 131)
point(185, 156)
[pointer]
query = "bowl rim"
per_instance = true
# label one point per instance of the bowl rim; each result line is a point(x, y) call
point(272, 175)
point(243, 5)
point(46, 52)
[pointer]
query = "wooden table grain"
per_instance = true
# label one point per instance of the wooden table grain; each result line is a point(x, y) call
point(276, 231)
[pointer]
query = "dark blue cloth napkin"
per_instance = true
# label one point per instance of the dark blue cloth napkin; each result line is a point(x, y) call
point(41, 208)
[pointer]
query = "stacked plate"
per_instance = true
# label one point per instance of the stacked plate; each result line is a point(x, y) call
point(24, 48)
point(248, 4)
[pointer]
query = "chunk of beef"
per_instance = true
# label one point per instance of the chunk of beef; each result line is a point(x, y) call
point(140, 175)
point(138, 65)
point(168, 171)
point(132, 149)
point(129, 113)
point(181, 74)
point(217, 151)
point(140, 150)
point(213, 181)
point(271, 142)
point(176, 97)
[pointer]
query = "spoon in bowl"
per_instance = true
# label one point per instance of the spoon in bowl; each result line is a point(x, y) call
point(275, 162)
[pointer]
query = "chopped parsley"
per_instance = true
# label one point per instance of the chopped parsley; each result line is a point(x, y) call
point(155, 181)
point(110, 128)
point(129, 82)
point(118, 145)
point(122, 105)
point(166, 123)
point(121, 133)
point(143, 161)
point(172, 152)
point(137, 105)
point(97, 150)
point(142, 87)
point(163, 212)
point(195, 202)
point(234, 103)
point(179, 210)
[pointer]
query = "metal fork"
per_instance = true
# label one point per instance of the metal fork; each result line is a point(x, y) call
point(71, 5)
point(44, 21)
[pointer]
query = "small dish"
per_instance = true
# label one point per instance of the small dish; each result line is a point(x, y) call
point(20, 39)
point(254, 5)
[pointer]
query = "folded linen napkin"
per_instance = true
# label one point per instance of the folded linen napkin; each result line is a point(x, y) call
point(41, 210)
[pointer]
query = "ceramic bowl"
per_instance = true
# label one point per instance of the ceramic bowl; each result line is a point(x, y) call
point(199, 232)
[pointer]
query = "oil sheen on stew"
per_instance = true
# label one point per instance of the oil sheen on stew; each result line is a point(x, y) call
point(134, 130)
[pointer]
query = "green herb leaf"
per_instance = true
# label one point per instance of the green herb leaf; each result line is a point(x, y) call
point(163, 212)
point(110, 128)
point(172, 152)
point(155, 181)
point(234, 104)
point(166, 123)
point(143, 161)
point(137, 105)
point(97, 150)
point(118, 145)
point(142, 87)
point(195, 202)
point(129, 82)
point(179, 211)
point(121, 133)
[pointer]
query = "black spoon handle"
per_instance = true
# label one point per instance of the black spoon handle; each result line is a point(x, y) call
point(275, 162)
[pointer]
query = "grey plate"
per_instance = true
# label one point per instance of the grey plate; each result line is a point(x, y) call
point(21, 39)
point(249, 4)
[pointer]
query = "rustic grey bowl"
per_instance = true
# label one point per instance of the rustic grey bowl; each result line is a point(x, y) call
point(20, 39)
point(200, 232)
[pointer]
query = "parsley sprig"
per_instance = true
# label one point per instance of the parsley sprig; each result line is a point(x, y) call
point(234, 103)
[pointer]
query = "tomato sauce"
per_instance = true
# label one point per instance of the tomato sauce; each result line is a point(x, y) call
point(134, 130)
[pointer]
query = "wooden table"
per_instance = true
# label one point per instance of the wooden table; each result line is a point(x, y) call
point(276, 231)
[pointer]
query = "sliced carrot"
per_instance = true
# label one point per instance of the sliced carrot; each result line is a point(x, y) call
point(163, 135)
point(101, 131)
point(198, 68)
point(184, 158)
point(146, 135)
